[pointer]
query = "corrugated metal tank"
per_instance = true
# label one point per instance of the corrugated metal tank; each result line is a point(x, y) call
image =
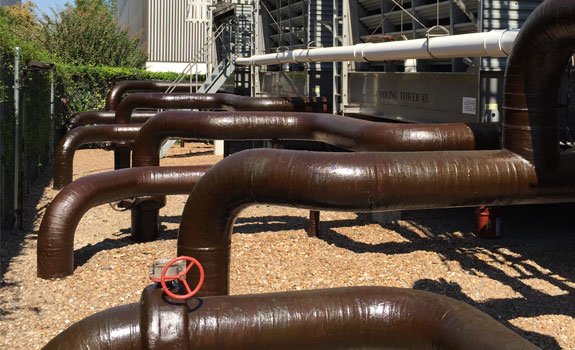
point(170, 37)
point(163, 28)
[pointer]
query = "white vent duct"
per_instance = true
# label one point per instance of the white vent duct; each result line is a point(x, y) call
point(496, 43)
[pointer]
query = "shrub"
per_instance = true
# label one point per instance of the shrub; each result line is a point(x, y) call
point(85, 87)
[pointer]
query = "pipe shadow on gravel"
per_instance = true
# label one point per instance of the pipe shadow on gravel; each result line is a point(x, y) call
point(208, 152)
point(503, 312)
point(190, 154)
point(244, 226)
point(84, 254)
point(12, 240)
point(272, 223)
point(534, 247)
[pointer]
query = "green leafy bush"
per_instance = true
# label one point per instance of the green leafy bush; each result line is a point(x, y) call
point(84, 87)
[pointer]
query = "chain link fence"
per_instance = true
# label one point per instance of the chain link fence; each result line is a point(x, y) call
point(29, 126)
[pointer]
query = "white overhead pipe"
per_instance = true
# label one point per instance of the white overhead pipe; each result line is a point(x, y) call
point(497, 43)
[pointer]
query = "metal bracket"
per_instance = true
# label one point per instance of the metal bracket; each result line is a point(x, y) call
point(434, 32)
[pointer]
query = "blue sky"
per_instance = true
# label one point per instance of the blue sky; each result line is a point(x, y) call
point(46, 5)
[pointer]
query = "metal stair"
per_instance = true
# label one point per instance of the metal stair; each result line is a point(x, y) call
point(211, 85)
point(466, 12)
point(200, 57)
point(217, 78)
point(234, 40)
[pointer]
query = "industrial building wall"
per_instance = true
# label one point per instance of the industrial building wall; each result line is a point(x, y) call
point(170, 37)
point(297, 24)
point(471, 89)
point(170, 41)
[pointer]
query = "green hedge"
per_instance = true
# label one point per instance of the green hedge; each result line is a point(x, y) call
point(84, 88)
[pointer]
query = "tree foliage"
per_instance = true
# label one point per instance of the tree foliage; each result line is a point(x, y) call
point(88, 34)
point(19, 28)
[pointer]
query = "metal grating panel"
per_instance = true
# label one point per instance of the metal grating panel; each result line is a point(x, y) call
point(170, 37)
point(503, 14)
point(386, 17)
point(296, 24)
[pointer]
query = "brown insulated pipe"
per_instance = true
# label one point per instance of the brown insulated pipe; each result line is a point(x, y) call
point(532, 79)
point(344, 132)
point(115, 328)
point(116, 93)
point(55, 251)
point(367, 182)
point(64, 153)
point(353, 134)
point(341, 318)
point(207, 101)
point(107, 117)
point(358, 182)
point(216, 101)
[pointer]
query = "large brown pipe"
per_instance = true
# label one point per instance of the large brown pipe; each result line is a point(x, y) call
point(115, 328)
point(207, 101)
point(367, 182)
point(344, 132)
point(532, 80)
point(353, 134)
point(342, 318)
point(64, 153)
point(216, 101)
point(358, 182)
point(105, 117)
point(116, 93)
point(55, 252)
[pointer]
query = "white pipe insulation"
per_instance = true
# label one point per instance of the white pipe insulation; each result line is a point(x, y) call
point(497, 43)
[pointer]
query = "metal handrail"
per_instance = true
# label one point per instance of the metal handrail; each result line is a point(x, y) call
point(188, 69)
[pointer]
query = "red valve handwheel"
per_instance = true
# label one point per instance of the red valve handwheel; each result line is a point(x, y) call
point(182, 278)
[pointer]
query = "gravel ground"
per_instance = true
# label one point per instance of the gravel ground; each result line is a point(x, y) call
point(524, 279)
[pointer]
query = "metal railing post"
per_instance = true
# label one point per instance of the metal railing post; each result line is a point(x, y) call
point(16, 206)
